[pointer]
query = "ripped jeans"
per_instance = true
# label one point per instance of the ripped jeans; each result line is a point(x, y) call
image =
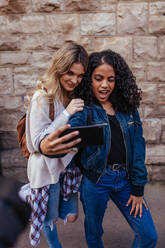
point(57, 207)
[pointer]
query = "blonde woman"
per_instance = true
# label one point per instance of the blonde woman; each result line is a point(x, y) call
point(62, 86)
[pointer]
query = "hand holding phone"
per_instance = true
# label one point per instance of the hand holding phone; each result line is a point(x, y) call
point(91, 135)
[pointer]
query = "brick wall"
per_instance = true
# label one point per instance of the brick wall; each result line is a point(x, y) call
point(30, 32)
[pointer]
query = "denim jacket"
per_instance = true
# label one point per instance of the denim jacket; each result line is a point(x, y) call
point(94, 158)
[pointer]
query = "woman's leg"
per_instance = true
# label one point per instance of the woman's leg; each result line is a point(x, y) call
point(68, 210)
point(94, 199)
point(144, 229)
point(49, 226)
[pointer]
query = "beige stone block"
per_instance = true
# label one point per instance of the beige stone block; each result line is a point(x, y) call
point(56, 41)
point(15, 6)
point(149, 93)
point(156, 7)
point(9, 119)
point(97, 24)
point(32, 41)
point(25, 69)
point(158, 173)
point(155, 154)
point(134, 0)
point(20, 174)
point(66, 25)
point(41, 59)
point(62, 23)
point(145, 48)
point(161, 47)
point(159, 111)
point(157, 17)
point(121, 45)
point(132, 18)
point(3, 23)
point(148, 111)
point(28, 70)
point(89, 43)
point(14, 58)
point(155, 111)
point(163, 137)
point(139, 70)
point(163, 131)
point(24, 83)
point(25, 79)
point(4, 3)
point(8, 140)
point(9, 43)
point(62, 27)
point(11, 102)
point(13, 158)
point(163, 122)
point(161, 92)
point(90, 5)
point(47, 5)
point(26, 24)
point(156, 71)
point(6, 81)
point(152, 130)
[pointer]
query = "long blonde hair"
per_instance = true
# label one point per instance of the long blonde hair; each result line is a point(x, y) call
point(64, 57)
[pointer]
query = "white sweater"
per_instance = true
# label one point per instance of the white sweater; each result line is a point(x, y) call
point(41, 169)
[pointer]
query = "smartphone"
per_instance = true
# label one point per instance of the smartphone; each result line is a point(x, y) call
point(91, 135)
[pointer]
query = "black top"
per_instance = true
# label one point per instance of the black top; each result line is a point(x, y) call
point(117, 152)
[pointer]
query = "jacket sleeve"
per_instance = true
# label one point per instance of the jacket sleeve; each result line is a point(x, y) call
point(79, 118)
point(138, 173)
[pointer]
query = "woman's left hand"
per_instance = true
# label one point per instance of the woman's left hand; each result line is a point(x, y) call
point(137, 205)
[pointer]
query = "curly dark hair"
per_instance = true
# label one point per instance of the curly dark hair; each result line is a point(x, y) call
point(126, 95)
point(84, 91)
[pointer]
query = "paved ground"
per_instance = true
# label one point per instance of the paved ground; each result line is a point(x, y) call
point(117, 233)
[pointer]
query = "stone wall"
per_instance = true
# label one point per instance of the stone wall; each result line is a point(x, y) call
point(30, 32)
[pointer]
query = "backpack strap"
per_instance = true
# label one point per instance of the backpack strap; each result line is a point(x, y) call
point(51, 116)
point(51, 107)
point(51, 111)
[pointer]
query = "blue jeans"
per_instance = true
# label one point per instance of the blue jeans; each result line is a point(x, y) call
point(94, 197)
point(57, 207)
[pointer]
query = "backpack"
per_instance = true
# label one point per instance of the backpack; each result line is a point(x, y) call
point(21, 133)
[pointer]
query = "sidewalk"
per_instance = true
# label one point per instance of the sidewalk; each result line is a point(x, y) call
point(117, 233)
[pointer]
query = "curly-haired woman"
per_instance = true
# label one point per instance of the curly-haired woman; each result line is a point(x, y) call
point(62, 87)
point(115, 170)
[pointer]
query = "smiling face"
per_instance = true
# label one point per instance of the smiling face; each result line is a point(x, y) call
point(70, 80)
point(103, 82)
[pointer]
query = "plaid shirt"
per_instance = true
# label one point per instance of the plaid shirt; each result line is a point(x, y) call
point(38, 199)
point(71, 181)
